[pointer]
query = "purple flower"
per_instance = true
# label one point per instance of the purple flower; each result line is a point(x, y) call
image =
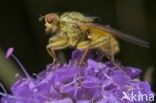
point(9, 52)
point(94, 82)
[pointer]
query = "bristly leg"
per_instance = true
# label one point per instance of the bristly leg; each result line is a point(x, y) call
point(83, 56)
point(110, 53)
point(53, 55)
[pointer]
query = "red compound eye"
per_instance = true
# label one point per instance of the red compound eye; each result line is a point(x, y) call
point(50, 18)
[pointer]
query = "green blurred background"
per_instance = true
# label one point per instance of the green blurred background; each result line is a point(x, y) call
point(21, 29)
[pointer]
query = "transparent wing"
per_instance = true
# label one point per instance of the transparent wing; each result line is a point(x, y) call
point(123, 36)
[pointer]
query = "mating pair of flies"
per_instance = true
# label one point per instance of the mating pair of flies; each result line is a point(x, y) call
point(73, 29)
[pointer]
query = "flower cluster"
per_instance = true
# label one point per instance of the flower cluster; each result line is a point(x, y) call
point(93, 82)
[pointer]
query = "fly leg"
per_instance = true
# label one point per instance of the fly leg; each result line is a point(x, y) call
point(100, 43)
point(86, 45)
point(56, 43)
point(83, 56)
point(83, 45)
point(52, 54)
point(111, 48)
